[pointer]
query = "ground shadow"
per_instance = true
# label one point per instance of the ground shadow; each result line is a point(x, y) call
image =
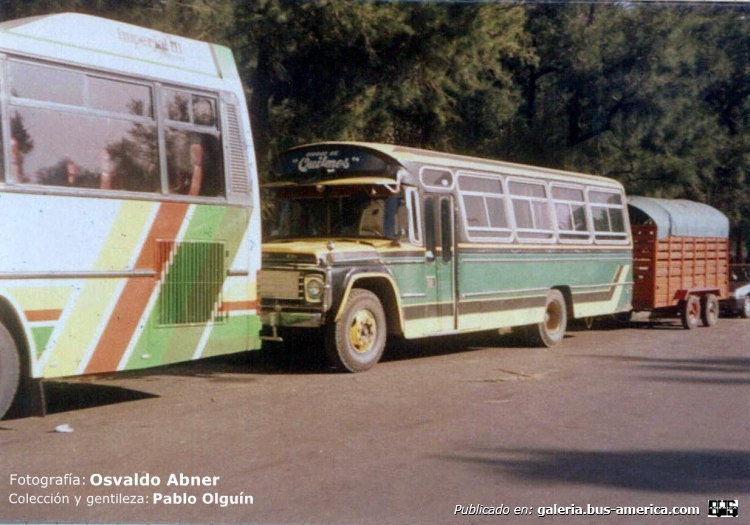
point(667, 471)
point(61, 396)
point(711, 370)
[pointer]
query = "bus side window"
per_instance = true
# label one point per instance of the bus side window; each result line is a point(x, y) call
point(194, 154)
point(429, 227)
point(415, 222)
point(446, 228)
point(194, 164)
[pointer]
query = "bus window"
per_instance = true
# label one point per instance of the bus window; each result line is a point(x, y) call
point(194, 163)
point(415, 224)
point(530, 210)
point(446, 228)
point(570, 213)
point(46, 84)
point(81, 131)
point(126, 98)
point(608, 216)
point(437, 179)
point(49, 142)
point(484, 207)
point(194, 160)
point(429, 226)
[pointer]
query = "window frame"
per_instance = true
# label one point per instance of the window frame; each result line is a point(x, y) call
point(411, 196)
point(157, 118)
point(571, 236)
point(505, 235)
point(608, 237)
point(536, 235)
point(433, 187)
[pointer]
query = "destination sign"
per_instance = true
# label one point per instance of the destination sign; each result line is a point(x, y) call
point(323, 163)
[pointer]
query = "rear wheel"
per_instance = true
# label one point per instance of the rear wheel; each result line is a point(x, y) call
point(356, 341)
point(10, 370)
point(551, 330)
point(691, 312)
point(709, 310)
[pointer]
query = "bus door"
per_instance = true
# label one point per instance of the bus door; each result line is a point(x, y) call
point(440, 262)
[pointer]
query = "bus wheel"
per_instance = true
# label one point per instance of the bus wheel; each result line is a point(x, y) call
point(356, 341)
point(551, 330)
point(691, 312)
point(10, 370)
point(709, 310)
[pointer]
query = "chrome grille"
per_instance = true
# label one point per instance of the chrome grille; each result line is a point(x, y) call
point(279, 284)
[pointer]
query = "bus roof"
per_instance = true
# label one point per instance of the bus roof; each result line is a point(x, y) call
point(116, 46)
point(415, 157)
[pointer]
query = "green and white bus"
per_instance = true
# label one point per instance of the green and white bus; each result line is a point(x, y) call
point(368, 240)
point(128, 201)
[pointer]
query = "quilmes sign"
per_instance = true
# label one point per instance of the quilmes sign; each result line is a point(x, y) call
point(338, 161)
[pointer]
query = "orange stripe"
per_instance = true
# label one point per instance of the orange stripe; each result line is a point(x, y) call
point(235, 306)
point(35, 316)
point(135, 296)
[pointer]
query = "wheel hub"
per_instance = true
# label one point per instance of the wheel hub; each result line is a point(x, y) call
point(552, 318)
point(363, 331)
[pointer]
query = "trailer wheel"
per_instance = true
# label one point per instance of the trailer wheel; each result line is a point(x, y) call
point(691, 312)
point(709, 310)
point(745, 307)
point(10, 370)
point(356, 341)
point(551, 330)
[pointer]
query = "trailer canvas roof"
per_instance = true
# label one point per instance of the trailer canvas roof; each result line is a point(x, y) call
point(677, 217)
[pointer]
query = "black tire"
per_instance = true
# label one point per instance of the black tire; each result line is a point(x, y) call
point(690, 312)
point(356, 341)
point(551, 331)
point(709, 310)
point(745, 307)
point(10, 370)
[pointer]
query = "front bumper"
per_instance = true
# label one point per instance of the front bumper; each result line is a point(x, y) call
point(292, 319)
point(273, 320)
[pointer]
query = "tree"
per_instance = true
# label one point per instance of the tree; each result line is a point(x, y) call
point(372, 71)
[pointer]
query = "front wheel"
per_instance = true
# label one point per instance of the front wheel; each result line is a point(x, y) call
point(10, 370)
point(551, 330)
point(709, 310)
point(356, 341)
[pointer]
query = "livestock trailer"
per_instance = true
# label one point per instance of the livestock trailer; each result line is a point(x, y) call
point(680, 260)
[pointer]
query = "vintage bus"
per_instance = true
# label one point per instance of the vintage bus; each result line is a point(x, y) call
point(368, 240)
point(128, 201)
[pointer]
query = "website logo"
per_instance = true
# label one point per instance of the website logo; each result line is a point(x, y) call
point(723, 508)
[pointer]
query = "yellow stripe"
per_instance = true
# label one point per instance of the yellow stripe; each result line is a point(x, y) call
point(130, 223)
point(53, 297)
point(72, 342)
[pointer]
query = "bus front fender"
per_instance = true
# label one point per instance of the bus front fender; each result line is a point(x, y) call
point(379, 282)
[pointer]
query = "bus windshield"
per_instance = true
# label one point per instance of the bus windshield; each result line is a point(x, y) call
point(358, 211)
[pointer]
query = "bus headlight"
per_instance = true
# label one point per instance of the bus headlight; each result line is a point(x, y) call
point(314, 287)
